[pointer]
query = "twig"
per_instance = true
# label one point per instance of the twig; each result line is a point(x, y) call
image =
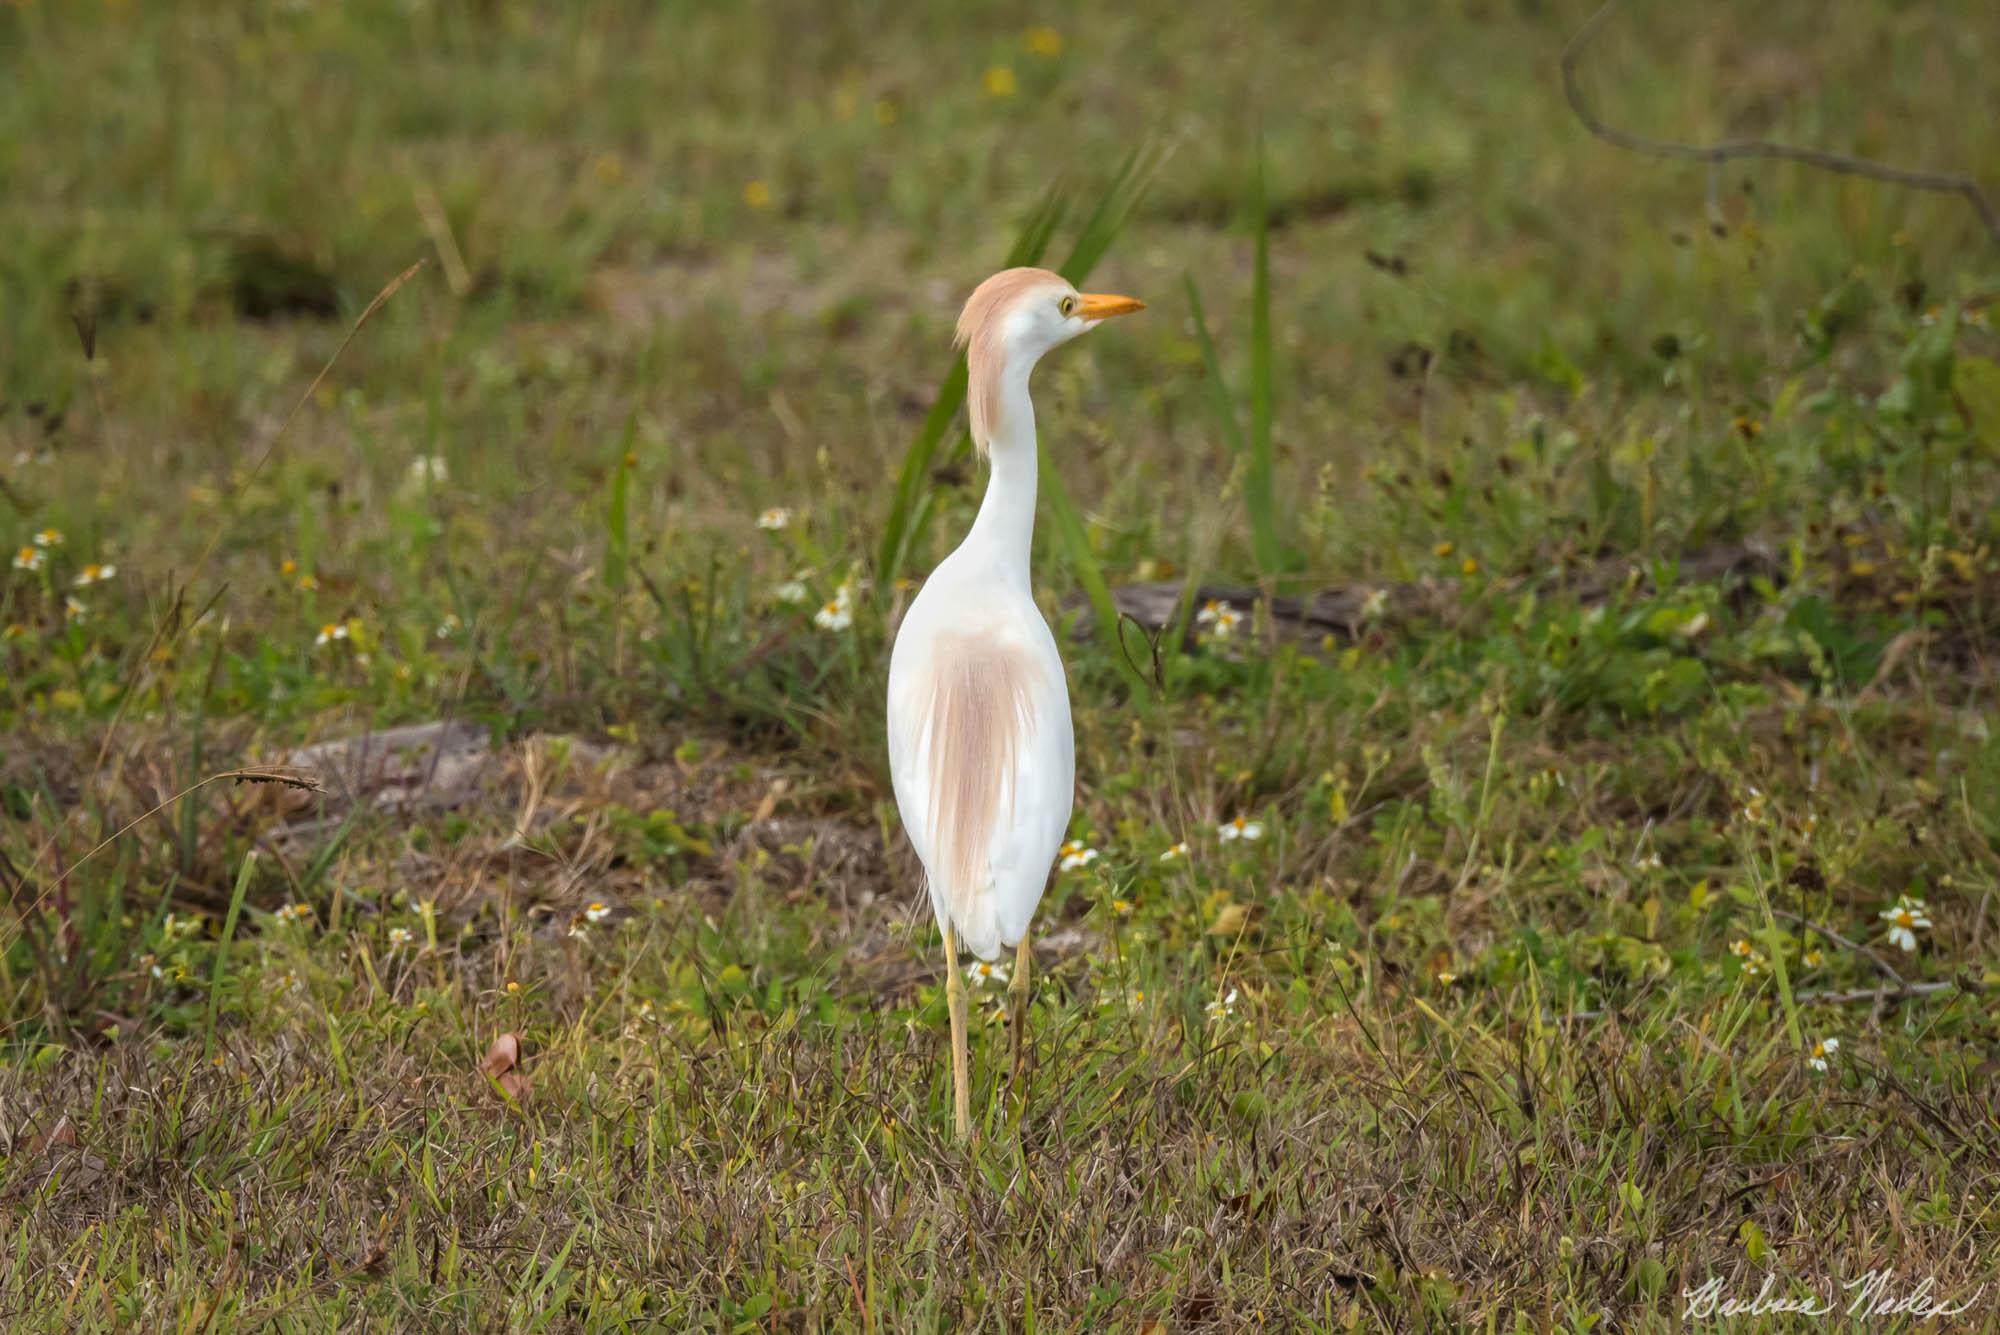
point(1874, 956)
point(1830, 997)
point(304, 782)
point(1833, 998)
point(1949, 183)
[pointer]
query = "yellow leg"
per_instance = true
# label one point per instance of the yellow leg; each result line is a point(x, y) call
point(1017, 995)
point(954, 1000)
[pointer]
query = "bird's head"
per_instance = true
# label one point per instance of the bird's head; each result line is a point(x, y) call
point(1014, 317)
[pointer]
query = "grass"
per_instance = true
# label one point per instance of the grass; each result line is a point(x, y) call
point(1664, 571)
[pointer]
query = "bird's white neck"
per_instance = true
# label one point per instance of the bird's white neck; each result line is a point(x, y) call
point(1004, 530)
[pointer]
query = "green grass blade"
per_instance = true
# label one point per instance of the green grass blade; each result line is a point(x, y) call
point(1114, 208)
point(1068, 524)
point(1258, 497)
point(1040, 228)
point(222, 953)
point(898, 529)
point(617, 527)
point(1225, 407)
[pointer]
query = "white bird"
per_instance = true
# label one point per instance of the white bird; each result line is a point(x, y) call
point(980, 746)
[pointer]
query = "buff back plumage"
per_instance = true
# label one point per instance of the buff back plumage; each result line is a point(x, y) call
point(981, 329)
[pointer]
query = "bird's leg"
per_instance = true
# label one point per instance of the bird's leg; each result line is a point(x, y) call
point(1017, 995)
point(954, 1000)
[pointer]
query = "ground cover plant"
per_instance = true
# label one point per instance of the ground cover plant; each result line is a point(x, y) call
point(1530, 610)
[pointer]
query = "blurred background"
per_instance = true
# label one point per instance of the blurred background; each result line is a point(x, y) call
point(746, 232)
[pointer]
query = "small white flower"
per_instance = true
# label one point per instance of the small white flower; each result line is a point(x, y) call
point(597, 912)
point(1179, 850)
point(94, 574)
point(399, 936)
point(983, 972)
point(28, 558)
point(428, 468)
point(74, 610)
point(1822, 1053)
point(1813, 958)
point(836, 615)
point(1222, 1007)
point(792, 591)
point(579, 930)
point(1241, 828)
point(1074, 855)
point(1651, 862)
point(1754, 963)
point(49, 537)
point(331, 631)
point(1218, 618)
point(1374, 605)
point(1446, 977)
point(775, 518)
point(450, 626)
point(1906, 918)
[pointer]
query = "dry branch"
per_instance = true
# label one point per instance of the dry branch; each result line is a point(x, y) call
point(1950, 183)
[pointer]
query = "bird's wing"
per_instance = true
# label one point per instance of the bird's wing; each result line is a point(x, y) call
point(983, 760)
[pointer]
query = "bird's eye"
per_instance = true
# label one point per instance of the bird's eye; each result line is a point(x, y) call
point(1068, 306)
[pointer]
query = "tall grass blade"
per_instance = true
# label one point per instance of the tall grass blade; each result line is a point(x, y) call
point(1225, 407)
point(222, 953)
point(1254, 448)
point(897, 529)
point(1068, 524)
point(1114, 208)
point(1258, 497)
point(617, 526)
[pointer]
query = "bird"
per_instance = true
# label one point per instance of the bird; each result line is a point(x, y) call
point(981, 752)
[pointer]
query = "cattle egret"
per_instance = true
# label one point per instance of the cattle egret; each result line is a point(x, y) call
point(979, 733)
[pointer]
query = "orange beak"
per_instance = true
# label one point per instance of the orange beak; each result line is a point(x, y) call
point(1096, 306)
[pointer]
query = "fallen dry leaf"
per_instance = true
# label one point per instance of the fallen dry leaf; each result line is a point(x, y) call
point(501, 1058)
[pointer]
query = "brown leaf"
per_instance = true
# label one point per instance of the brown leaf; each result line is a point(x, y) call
point(56, 1137)
point(502, 1056)
point(498, 1068)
